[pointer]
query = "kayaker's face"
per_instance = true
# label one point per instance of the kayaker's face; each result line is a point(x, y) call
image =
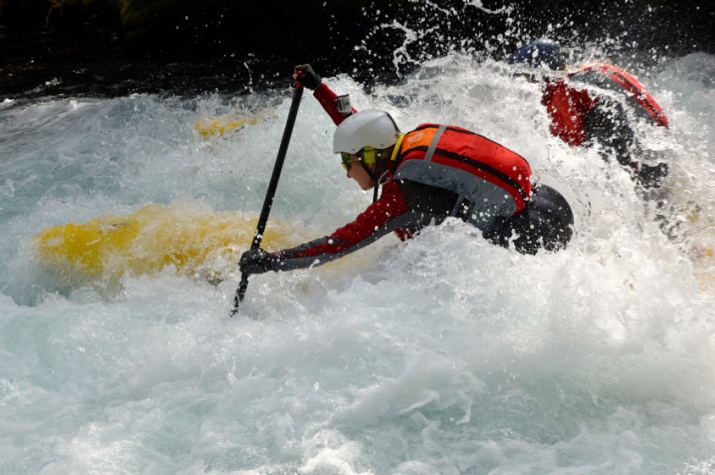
point(359, 174)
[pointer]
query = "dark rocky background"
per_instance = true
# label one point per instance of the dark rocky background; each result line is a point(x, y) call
point(187, 47)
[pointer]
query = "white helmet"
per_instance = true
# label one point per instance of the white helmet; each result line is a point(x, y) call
point(368, 128)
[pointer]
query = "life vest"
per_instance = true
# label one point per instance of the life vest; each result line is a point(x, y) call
point(494, 180)
point(616, 79)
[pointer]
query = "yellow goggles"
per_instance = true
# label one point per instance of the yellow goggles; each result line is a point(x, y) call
point(365, 155)
point(348, 159)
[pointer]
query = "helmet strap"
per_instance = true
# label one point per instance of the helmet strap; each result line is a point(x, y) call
point(382, 167)
point(381, 163)
point(373, 177)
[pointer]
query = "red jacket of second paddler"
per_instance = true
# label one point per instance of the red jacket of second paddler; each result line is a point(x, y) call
point(568, 101)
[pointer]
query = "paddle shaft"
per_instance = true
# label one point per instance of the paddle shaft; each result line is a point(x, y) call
point(271, 192)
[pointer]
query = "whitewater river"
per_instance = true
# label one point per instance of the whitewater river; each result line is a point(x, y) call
point(441, 355)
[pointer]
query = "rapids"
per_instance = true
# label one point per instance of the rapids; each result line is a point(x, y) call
point(442, 354)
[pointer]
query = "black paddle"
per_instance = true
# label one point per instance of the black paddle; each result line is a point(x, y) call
point(270, 193)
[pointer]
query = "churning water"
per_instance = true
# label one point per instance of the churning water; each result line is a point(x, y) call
point(443, 354)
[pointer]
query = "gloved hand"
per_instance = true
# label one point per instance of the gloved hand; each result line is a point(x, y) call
point(255, 261)
point(306, 76)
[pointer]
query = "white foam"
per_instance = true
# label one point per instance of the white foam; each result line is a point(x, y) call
point(439, 355)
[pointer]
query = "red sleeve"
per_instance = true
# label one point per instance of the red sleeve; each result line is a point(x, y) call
point(326, 97)
point(387, 214)
point(567, 107)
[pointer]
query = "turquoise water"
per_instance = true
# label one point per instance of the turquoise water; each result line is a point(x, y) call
point(439, 355)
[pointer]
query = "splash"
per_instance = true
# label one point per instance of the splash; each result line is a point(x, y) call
point(443, 354)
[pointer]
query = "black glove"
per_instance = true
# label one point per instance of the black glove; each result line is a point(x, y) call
point(307, 77)
point(255, 261)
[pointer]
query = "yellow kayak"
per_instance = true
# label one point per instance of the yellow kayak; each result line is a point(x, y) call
point(155, 237)
point(225, 125)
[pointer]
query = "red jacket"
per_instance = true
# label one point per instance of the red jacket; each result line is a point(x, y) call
point(465, 173)
point(568, 104)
